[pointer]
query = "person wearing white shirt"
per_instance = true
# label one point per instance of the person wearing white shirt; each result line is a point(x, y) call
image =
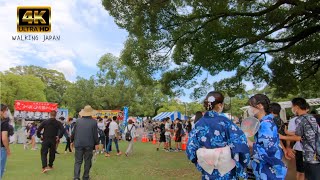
point(192, 124)
point(167, 134)
point(293, 123)
point(132, 129)
point(102, 137)
point(113, 136)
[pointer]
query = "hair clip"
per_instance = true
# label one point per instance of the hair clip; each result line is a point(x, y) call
point(211, 99)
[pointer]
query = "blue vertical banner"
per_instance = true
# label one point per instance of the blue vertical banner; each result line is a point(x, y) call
point(126, 115)
point(62, 114)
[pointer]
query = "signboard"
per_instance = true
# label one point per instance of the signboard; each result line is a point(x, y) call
point(110, 114)
point(35, 106)
point(30, 116)
point(33, 111)
point(126, 115)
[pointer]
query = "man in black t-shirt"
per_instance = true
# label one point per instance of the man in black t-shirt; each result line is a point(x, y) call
point(49, 138)
point(178, 134)
point(162, 131)
point(5, 149)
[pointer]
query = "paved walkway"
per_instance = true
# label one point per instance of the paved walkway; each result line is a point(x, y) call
point(291, 175)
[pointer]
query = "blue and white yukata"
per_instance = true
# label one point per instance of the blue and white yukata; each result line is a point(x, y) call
point(217, 131)
point(267, 154)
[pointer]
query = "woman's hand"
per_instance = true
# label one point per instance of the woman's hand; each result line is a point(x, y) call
point(289, 153)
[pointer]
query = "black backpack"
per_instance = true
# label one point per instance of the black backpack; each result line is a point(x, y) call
point(128, 134)
point(11, 130)
point(101, 133)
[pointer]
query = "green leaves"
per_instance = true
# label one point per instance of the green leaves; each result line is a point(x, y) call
point(216, 36)
point(21, 87)
point(55, 82)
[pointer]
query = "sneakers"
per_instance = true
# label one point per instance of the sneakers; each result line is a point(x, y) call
point(107, 155)
point(126, 154)
point(49, 168)
point(119, 153)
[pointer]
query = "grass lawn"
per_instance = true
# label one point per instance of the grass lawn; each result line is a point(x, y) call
point(146, 163)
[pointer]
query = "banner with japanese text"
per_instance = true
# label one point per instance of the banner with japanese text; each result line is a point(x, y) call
point(35, 106)
point(110, 114)
point(33, 111)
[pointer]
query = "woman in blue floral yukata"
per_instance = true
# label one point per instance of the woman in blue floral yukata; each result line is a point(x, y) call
point(267, 154)
point(215, 131)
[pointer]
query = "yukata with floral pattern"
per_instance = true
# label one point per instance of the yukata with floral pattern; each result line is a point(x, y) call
point(216, 131)
point(267, 154)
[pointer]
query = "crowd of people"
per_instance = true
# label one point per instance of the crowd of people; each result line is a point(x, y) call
point(234, 155)
point(217, 146)
point(167, 130)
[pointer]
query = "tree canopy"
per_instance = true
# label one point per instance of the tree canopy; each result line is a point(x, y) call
point(196, 36)
point(55, 81)
point(20, 87)
point(113, 87)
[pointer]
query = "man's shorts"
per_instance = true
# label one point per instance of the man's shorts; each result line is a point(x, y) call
point(312, 171)
point(168, 138)
point(102, 140)
point(299, 162)
point(178, 138)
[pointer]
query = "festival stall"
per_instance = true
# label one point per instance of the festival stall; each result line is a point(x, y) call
point(25, 111)
point(110, 114)
point(284, 105)
point(172, 115)
point(33, 111)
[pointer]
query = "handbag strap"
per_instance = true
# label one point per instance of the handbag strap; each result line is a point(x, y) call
point(316, 136)
point(130, 128)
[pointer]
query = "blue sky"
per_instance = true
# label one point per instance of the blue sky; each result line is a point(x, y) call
point(87, 32)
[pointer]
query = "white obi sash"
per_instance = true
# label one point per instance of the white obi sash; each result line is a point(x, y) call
point(218, 158)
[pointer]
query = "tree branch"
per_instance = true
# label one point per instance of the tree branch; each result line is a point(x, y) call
point(301, 35)
point(252, 63)
point(230, 14)
point(261, 36)
point(295, 40)
point(313, 70)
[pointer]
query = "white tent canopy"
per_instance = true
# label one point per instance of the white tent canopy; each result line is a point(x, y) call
point(284, 105)
point(172, 115)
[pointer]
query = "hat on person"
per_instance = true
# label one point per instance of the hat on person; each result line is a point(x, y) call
point(87, 111)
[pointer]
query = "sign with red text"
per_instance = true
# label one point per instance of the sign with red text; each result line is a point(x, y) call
point(35, 106)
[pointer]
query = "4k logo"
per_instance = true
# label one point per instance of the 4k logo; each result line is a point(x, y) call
point(34, 19)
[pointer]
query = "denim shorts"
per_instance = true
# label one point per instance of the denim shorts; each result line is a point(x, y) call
point(168, 138)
